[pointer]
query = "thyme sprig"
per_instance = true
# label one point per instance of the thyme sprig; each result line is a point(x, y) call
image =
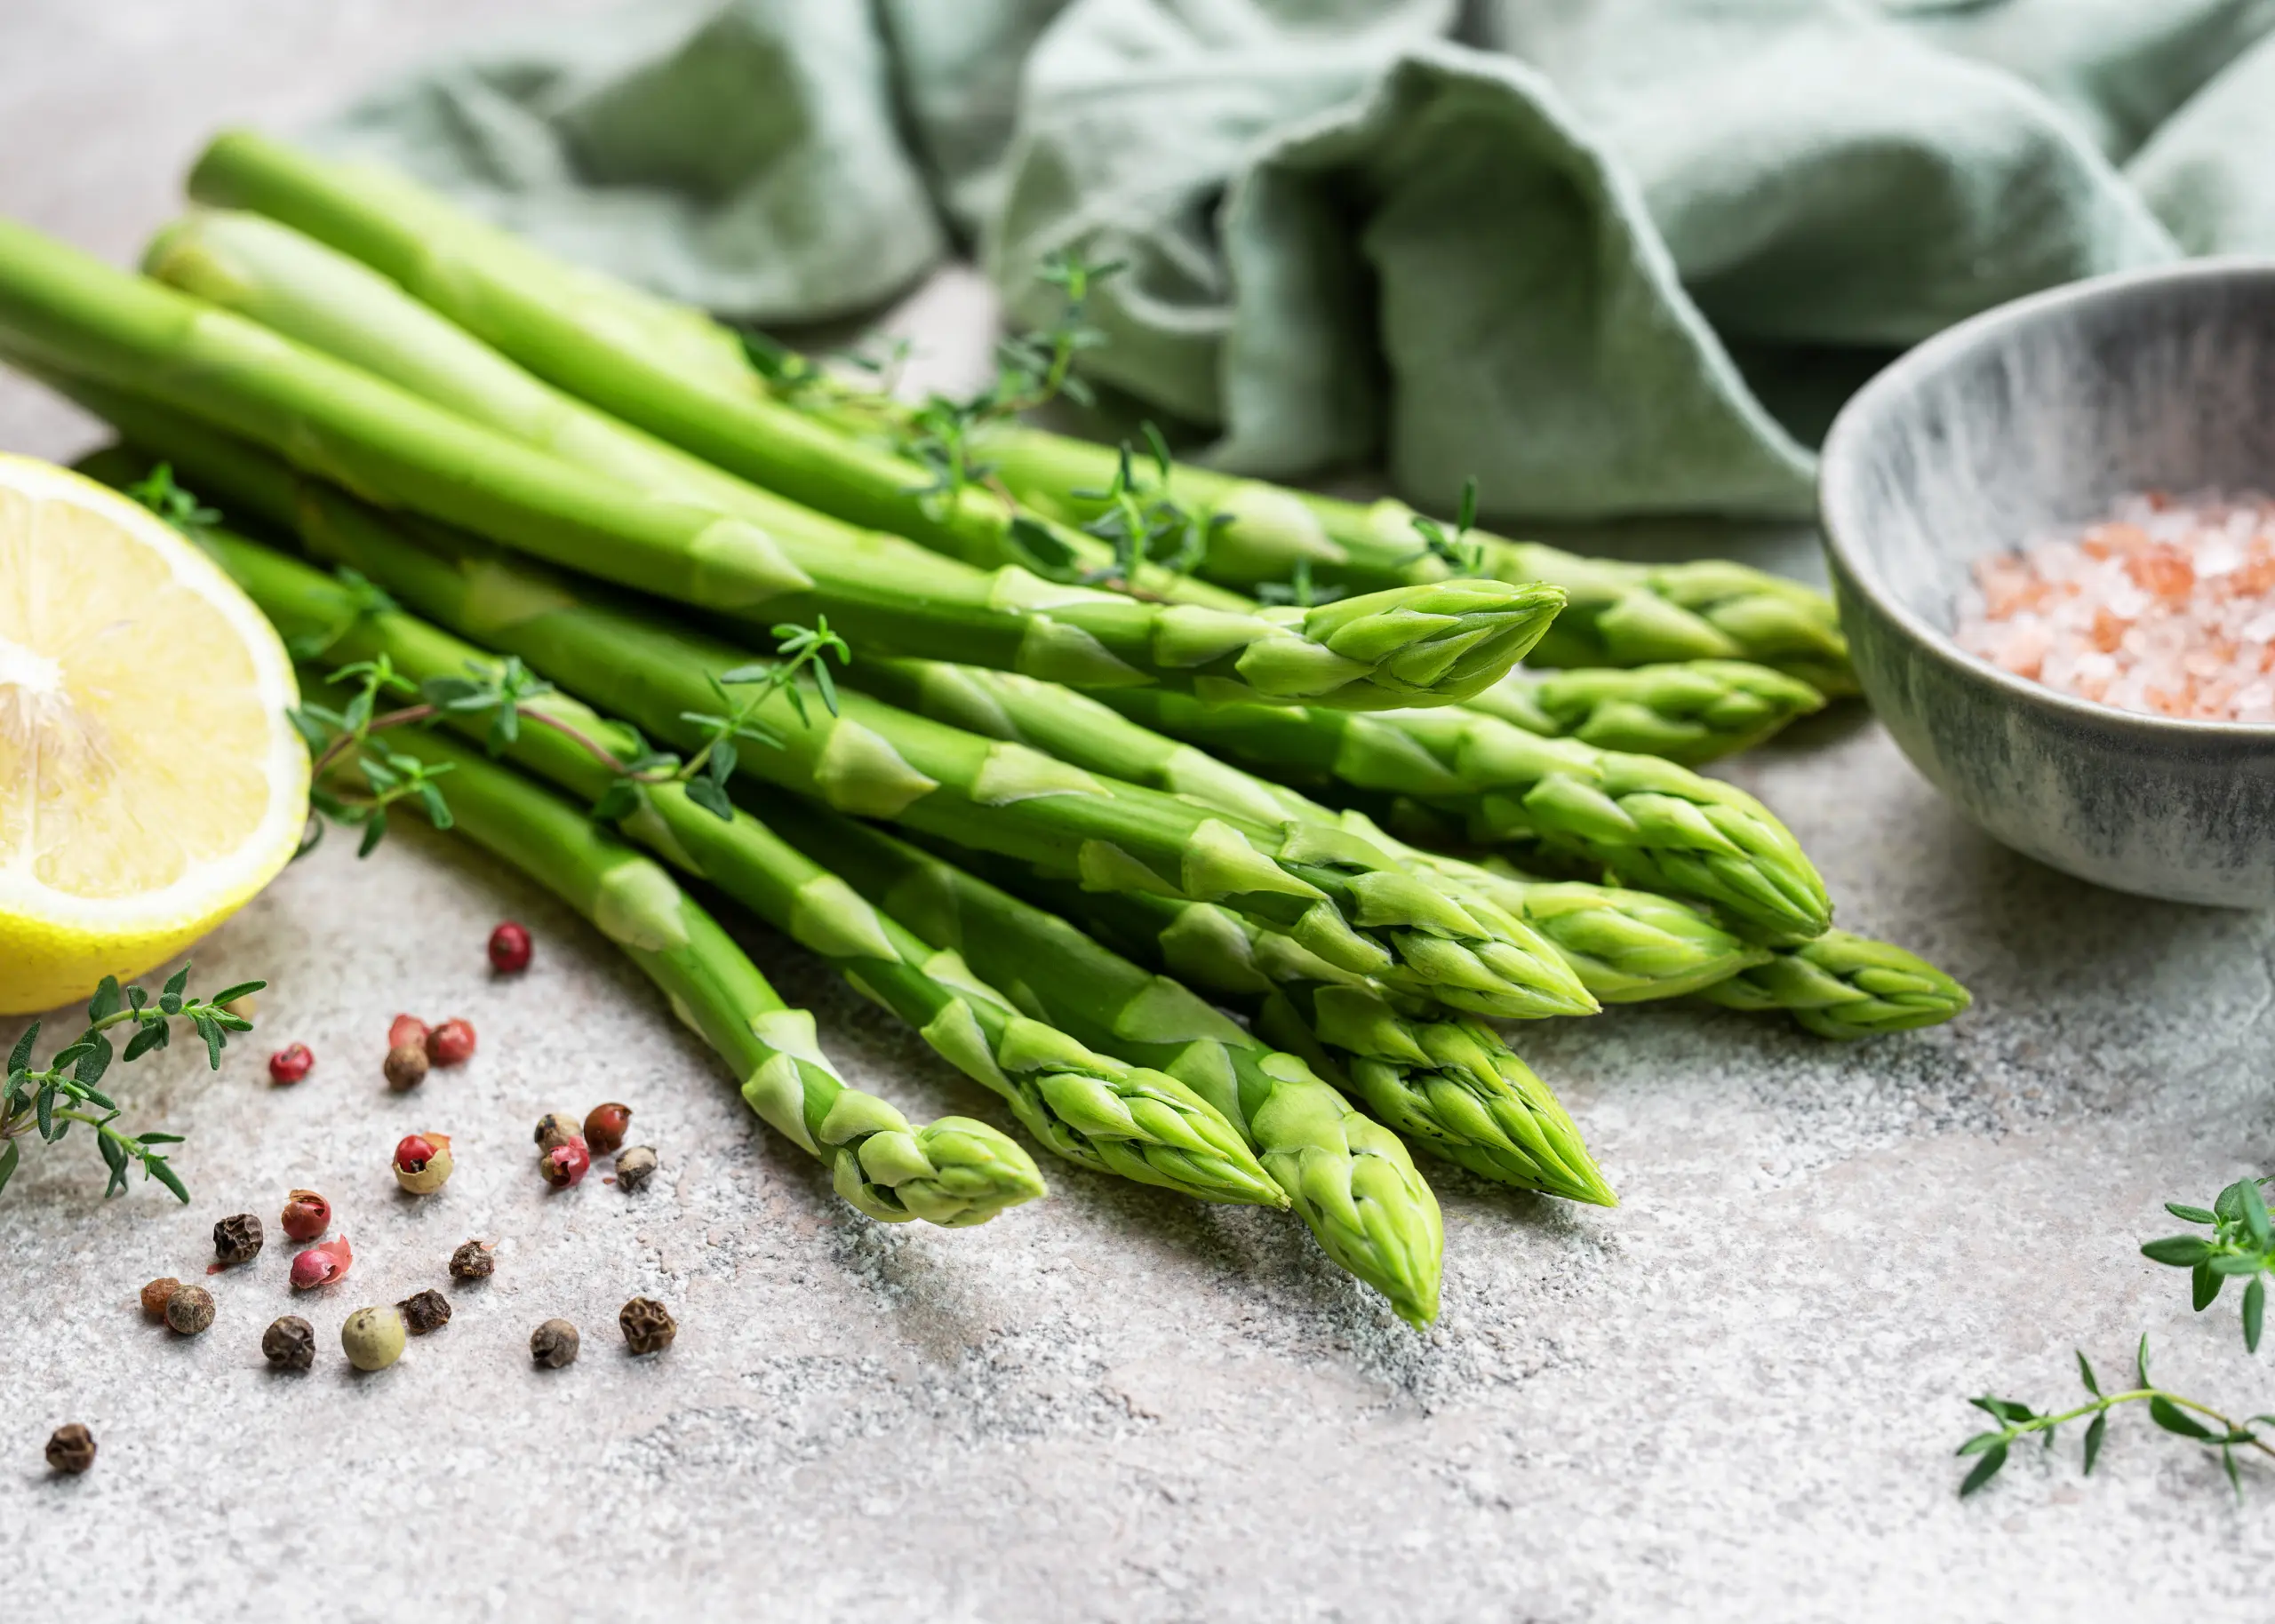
point(160, 493)
point(1455, 548)
point(2175, 1412)
point(1032, 370)
point(47, 1102)
point(1144, 524)
point(2241, 1247)
point(507, 693)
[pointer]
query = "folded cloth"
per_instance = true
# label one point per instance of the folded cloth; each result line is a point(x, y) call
point(1610, 257)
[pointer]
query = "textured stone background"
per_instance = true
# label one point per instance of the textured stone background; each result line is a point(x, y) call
point(1733, 1398)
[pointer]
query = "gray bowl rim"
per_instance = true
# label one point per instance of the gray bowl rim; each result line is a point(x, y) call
point(1842, 452)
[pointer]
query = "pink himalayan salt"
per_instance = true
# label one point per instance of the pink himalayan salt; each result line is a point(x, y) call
point(2165, 607)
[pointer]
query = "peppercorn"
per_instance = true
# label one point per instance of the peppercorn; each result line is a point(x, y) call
point(605, 1128)
point(565, 1163)
point(155, 1294)
point(425, 1311)
point(509, 949)
point(450, 1044)
point(238, 1240)
point(290, 1064)
point(406, 1028)
point(290, 1343)
point(634, 1166)
point(71, 1448)
point(554, 1343)
point(648, 1326)
point(321, 1265)
point(405, 1067)
point(422, 1162)
point(472, 1261)
point(372, 1338)
point(307, 1214)
point(189, 1310)
point(555, 1127)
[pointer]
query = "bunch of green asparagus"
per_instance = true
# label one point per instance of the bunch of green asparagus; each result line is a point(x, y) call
point(1112, 834)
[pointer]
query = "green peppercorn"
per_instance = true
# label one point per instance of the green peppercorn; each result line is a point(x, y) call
point(554, 1343)
point(290, 1343)
point(373, 1338)
point(557, 1128)
point(648, 1326)
point(71, 1449)
point(425, 1311)
point(238, 1240)
point(189, 1310)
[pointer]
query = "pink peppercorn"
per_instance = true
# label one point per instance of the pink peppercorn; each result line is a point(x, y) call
point(565, 1163)
point(450, 1044)
point(289, 1065)
point(307, 1214)
point(321, 1265)
point(509, 949)
point(407, 1031)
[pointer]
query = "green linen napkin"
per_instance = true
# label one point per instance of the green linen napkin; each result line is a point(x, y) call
point(1612, 256)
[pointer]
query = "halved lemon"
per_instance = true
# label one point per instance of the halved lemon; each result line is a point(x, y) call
point(149, 782)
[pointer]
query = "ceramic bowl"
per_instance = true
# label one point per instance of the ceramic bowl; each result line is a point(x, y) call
point(2026, 420)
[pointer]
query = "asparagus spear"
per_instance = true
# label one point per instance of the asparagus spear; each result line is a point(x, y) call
point(1350, 901)
point(1656, 826)
point(81, 324)
point(1689, 712)
point(1620, 614)
point(1845, 986)
point(296, 286)
point(1088, 1108)
point(1351, 1181)
point(954, 1172)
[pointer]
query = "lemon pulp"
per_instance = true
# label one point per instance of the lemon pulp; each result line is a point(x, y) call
point(149, 782)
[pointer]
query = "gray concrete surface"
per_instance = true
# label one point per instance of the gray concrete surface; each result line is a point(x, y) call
point(1733, 1398)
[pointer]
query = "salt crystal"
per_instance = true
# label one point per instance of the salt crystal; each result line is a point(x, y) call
point(2167, 607)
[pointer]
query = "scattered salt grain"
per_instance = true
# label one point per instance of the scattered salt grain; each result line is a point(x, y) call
point(2165, 607)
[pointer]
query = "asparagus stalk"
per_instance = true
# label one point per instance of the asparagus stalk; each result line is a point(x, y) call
point(1347, 898)
point(1620, 614)
point(1351, 1181)
point(294, 285)
point(81, 324)
point(668, 369)
point(954, 1172)
point(1845, 986)
point(1656, 826)
point(1087, 1107)
point(1690, 711)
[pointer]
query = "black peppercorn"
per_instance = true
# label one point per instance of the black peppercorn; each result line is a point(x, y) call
point(71, 1449)
point(554, 1343)
point(290, 1343)
point(427, 1310)
point(472, 1261)
point(648, 1326)
point(237, 1241)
